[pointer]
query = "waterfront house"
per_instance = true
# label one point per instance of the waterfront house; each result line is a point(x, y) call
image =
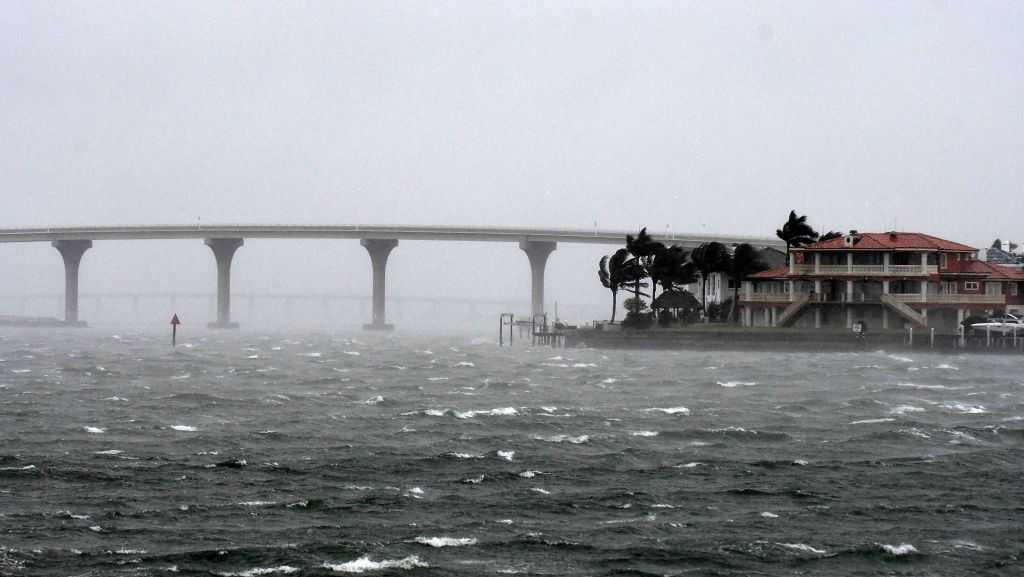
point(721, 285)
point(887, 280)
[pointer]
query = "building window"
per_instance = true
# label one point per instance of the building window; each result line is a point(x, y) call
point(945, 260)
point(970, 285)
point(949, 287)
point(993, 288)
point(1013, 289)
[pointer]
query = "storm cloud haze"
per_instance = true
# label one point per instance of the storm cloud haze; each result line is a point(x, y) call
point(684, 117)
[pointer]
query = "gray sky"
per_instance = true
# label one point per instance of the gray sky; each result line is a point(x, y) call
point(713, 116)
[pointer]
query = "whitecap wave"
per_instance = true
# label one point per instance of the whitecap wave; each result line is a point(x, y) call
point(901, 549)
point(184, 428)
point(446, 541)
point(734, 384)
point(644, 433)
point(803, 548)
point(364, 564)
point(499, 412)
point(904, 409)
point(256, 571)
point(95, 430)
point(577, 440)
point(507, 455)
point(669, 410)
point(769, 515)
point(464, 455)
point(871, 421)
point(965, 408)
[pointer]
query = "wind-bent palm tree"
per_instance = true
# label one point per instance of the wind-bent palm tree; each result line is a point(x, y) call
point(708, 258)
point(796, 232)
point(643, 248)
point(745, 262)
point(830, 235)
point(615, 272)
point(670, 268)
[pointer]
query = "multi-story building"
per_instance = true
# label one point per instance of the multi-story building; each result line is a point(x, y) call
point(721, 285)
point(887, 280)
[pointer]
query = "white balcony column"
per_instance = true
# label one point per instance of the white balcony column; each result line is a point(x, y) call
point(792, 262)
point(924, 263)
point(849, 262)
point(959, 317)
point(849, 317)
point(817, 262)
point(885, 263)
point(885, 283)
point(817, 288)
point(924, 291)
point(849, 291)
point(748, 289)
point(792, 290)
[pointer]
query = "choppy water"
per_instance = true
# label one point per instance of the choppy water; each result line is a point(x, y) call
point(245, 454)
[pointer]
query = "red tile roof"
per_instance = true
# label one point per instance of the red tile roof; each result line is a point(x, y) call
point(777, 272)
point(990, 271)
point(891, 241)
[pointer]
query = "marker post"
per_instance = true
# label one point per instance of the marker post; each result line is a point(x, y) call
point(174, 330)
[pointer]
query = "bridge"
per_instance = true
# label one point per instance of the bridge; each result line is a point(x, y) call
point(378, 240)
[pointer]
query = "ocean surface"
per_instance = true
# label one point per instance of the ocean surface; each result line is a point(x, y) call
point(248, 454)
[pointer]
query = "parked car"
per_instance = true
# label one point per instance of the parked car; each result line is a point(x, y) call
point(1005, 323)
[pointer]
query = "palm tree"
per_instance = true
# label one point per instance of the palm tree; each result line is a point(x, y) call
point(670, 268)
point(643, 248)
point(830, 235)
point(616, 271)
point(796, 232)
point(708, 258)
point(745, 262)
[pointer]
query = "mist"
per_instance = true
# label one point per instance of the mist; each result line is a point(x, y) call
point(700, 118)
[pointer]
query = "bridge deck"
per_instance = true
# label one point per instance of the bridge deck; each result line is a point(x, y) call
point(401, 232)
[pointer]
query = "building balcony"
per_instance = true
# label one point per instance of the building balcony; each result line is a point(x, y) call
point(951, 299)
point(862, 298)
point(832, 270)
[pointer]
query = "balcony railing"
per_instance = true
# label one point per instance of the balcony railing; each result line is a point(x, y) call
point(770, 297)
point(950, 299)
point(864, 269)
point(855, 298)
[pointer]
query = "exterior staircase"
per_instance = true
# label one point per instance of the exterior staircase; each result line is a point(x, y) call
point(792, 311)
point(905, 311)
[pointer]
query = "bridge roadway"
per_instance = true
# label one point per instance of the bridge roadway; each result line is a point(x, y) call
point(379, 241)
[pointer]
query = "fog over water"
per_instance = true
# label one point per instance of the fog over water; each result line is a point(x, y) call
point(301, 445)
point(715, 117)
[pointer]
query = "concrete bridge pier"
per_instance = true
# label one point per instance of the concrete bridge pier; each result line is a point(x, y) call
point(224, 250)
point(537, 252)
point(379, 249)
point(71, 251)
